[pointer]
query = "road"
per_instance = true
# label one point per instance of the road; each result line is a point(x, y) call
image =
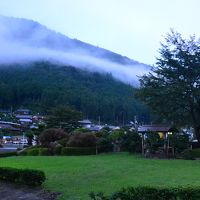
point(10, 147)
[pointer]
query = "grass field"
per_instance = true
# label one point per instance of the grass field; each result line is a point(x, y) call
point(75, 176)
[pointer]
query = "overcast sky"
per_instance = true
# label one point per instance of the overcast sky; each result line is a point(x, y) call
point(133, 28)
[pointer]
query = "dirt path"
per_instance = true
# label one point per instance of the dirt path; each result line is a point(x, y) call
point(14, 192)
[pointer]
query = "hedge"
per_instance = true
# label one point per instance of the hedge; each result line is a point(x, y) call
point(7, 154)
point(43, 152)
point(57, 150)
point(190, 154)
point(76, 151)
point(22, 176)
point(35, 151)
point(151, 193)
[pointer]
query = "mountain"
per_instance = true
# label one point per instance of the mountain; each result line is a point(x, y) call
point(25, 40)
point(41, 69)
point(41, 86)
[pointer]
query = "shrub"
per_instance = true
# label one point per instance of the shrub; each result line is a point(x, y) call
point(7, 154)
point(22, 176)
point(58, 149)
point(63, 142)
point(179, 142)
point(51, 135)
point(191, 154)
point(104, 145)
point(132, 142)
point(77, 151)
point(43, 152)
point(82, 140)
point(151, 193)
point(33, 152)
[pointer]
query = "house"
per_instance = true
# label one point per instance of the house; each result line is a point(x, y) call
point(161, 129)
point(23, 112)
point(24, 119)
point(85, 123)
point(5, 111)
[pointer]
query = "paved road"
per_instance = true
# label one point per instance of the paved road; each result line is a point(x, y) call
point(10, 148)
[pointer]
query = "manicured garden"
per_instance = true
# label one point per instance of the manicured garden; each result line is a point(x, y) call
point(76, 176)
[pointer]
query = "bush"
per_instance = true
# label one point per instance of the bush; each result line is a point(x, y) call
point(22, 176)
point(77, 151)
point(58, 150)
point(51, 135)
point(132, 142)
point(24, 152)
point(63, 142)
point(33, 152)
point(104, 145)
point(7, 154)
point(43, 152)
point(191, 154)
point(151, 193)
point(179, 142)
point(82, 140)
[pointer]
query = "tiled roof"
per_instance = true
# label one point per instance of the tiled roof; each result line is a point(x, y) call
point(154, 128)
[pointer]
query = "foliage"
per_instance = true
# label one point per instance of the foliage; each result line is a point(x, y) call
point(102, 133)
point(43, 152)
point(51, 135)
point(78, 151)
point(58, 150)
point(82, 140)
point(172, 89)
point(93, 94)
point(8, 154)
point(104, 144)
point(35, 151)
point(32, 152)
point(30, 135)
point(63, 141)
point(151, 193)
point(132, 142)
point(179, 142)
point(79, 131)
point(191, 154)
point(116, 135)
point(153, 141)
point(22, 176)
point(63, 117)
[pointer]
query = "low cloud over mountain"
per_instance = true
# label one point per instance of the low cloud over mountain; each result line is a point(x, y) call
point(25, 41)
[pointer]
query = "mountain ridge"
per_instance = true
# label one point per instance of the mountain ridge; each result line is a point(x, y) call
point(25, 40)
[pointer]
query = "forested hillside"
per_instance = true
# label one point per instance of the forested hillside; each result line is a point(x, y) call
point(42, 86)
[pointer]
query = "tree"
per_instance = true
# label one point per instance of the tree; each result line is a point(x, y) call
point(172, 88)
point(51, 135)
point(30, 135)
point(63, 117)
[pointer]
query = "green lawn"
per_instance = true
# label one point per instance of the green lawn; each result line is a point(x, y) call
point(76, 176)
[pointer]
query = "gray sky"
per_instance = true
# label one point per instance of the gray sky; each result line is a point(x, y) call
point(133, 28)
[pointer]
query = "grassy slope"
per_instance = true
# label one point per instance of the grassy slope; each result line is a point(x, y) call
point(75, 177)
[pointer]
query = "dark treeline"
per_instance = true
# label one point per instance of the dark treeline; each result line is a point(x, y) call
point(42, 86)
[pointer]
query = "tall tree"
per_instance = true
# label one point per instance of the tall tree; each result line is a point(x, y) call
point(63, 117)
point(172, 88)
